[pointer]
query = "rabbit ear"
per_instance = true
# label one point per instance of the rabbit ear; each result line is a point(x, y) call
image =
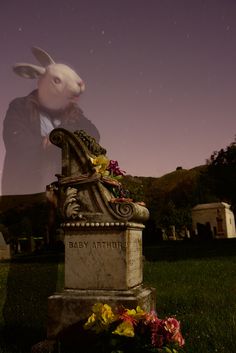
point(28, 70)
point(42, 56)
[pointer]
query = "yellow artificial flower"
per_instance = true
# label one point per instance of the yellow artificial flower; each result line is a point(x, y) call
point(130, 312)
point(107, 314)
point(139, 313)
point(90, 322)
point(124, 329)
point(101, 318)
point(97, 308)
point(101, 163)
point(134, 315)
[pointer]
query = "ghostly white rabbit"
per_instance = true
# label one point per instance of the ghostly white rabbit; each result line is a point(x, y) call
point(31, 161)
point(58, 84)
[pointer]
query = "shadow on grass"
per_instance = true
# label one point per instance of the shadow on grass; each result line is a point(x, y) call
point(190, 249)
point(31, 279)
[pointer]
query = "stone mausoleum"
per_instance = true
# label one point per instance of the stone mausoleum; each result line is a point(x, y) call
point(214, 218)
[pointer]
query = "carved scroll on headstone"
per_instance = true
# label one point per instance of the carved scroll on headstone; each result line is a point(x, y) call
point(86, 195)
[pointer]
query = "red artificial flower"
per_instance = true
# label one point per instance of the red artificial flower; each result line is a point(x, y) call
point(114, 168)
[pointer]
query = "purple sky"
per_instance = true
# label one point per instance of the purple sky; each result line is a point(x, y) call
point(160, 74)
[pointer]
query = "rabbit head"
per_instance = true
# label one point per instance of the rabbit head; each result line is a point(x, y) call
point(58, 84)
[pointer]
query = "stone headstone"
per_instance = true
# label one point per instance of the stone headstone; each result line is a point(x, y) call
point(4, 249)
point(103, 238)
point(106, 259)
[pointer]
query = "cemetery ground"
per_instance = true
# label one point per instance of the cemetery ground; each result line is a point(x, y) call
point(194, 281)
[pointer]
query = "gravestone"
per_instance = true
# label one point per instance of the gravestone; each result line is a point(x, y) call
point(103, 238)
point(5, 253)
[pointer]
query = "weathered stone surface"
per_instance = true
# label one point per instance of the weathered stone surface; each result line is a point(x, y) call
point(103, 259)
point(67, 308)
point(213, 220)
point(5, 253)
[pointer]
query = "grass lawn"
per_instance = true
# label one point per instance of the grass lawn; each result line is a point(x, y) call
point(194, 281)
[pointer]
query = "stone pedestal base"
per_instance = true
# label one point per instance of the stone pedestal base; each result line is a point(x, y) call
point(71, 306)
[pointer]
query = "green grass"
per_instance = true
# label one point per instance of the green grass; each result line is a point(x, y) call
point(25, 285)
point(202, 294)
point(194, 281)
point(200, 289)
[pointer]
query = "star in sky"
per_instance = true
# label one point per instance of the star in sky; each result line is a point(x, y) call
point(139, 57)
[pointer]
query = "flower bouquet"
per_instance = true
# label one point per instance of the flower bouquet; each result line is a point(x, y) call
point(134, 331)
point(111, 175)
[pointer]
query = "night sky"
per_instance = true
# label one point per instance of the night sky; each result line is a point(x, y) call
point(160, 75)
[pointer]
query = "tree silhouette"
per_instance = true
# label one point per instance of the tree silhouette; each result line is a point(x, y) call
point(222, 171)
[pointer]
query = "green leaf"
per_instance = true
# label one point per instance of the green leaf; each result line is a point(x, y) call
point(167, 350)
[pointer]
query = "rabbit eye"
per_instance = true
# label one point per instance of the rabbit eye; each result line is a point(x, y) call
point(57, 80)
point(81, 85)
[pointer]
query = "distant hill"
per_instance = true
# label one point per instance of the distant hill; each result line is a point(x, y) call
point(171, 180)
point(144, 186)
point(8, 202)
